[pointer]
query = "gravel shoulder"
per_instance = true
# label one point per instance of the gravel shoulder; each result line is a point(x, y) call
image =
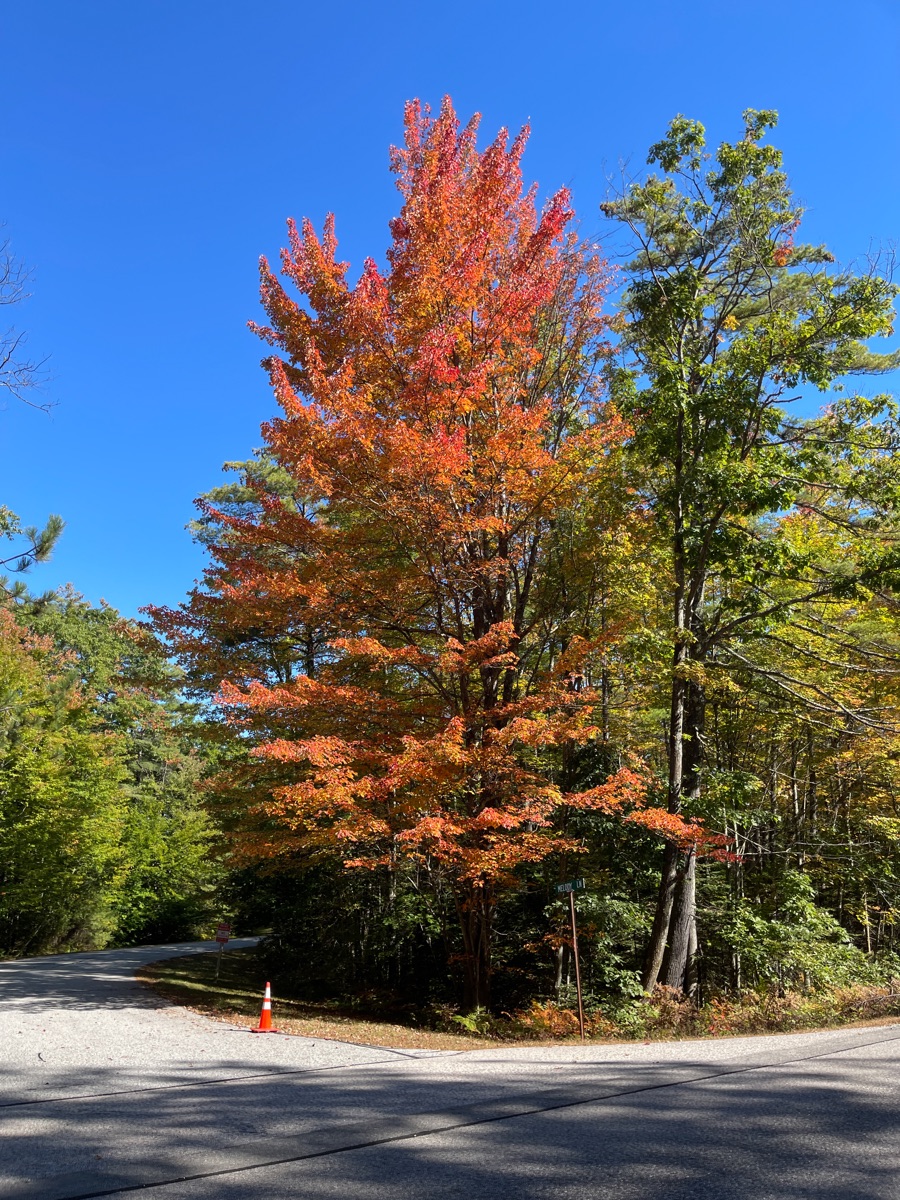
point(71, 1023)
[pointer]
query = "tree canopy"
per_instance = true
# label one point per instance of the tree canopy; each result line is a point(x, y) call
point(547, 566)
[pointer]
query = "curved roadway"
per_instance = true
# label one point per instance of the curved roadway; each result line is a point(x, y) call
point(107, 1091)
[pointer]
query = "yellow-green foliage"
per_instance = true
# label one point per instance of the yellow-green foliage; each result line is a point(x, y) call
point(62, 807)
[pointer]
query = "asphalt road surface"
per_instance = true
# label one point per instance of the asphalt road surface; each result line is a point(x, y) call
point(107, 1091)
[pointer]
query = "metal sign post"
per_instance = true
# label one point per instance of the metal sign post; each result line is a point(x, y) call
point(223, 933)
point(572, 886)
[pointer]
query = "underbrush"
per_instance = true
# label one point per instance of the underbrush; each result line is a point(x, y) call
point(232, 990)
point(665, 1015)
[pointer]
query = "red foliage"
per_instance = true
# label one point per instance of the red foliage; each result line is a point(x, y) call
point(438, 420)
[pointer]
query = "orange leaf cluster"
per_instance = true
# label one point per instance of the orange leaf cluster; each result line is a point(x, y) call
point(439, 418)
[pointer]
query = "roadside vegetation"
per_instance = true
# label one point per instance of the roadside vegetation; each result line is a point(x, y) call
point(232, 992)
point(562, 558)
point(104, 839)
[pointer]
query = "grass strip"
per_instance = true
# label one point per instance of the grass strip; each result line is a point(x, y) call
point(236, 997)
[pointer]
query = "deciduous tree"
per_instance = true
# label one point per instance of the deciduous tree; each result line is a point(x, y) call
point(441, 422)
point(728, 319)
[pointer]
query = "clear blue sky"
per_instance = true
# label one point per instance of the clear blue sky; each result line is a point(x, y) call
point(151, 152)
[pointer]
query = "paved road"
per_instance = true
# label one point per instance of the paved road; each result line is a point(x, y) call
point(104, 1091)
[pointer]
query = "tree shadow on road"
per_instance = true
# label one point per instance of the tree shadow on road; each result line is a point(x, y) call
point(825, 1128)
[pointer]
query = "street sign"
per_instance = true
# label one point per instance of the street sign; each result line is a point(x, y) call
point(571, 885)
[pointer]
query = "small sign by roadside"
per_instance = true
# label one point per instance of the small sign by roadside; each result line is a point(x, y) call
point(571, 885)
point(223, 933)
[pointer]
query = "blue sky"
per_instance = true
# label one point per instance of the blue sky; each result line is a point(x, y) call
point(153, 150)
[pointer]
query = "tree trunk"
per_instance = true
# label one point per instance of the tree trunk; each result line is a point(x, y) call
point(674, 929)
point(812, 797)
point(476, 910)
point(667, 885)
point(680, 966)
point(659, 935)
point(674, 923)
point(680, 969)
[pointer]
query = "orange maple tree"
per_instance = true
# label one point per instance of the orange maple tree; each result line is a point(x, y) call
point(440, 419)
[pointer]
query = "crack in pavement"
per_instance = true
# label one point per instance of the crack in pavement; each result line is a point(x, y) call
point(197, 1083)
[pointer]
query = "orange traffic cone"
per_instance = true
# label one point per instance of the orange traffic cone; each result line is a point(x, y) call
point(265, 1017)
